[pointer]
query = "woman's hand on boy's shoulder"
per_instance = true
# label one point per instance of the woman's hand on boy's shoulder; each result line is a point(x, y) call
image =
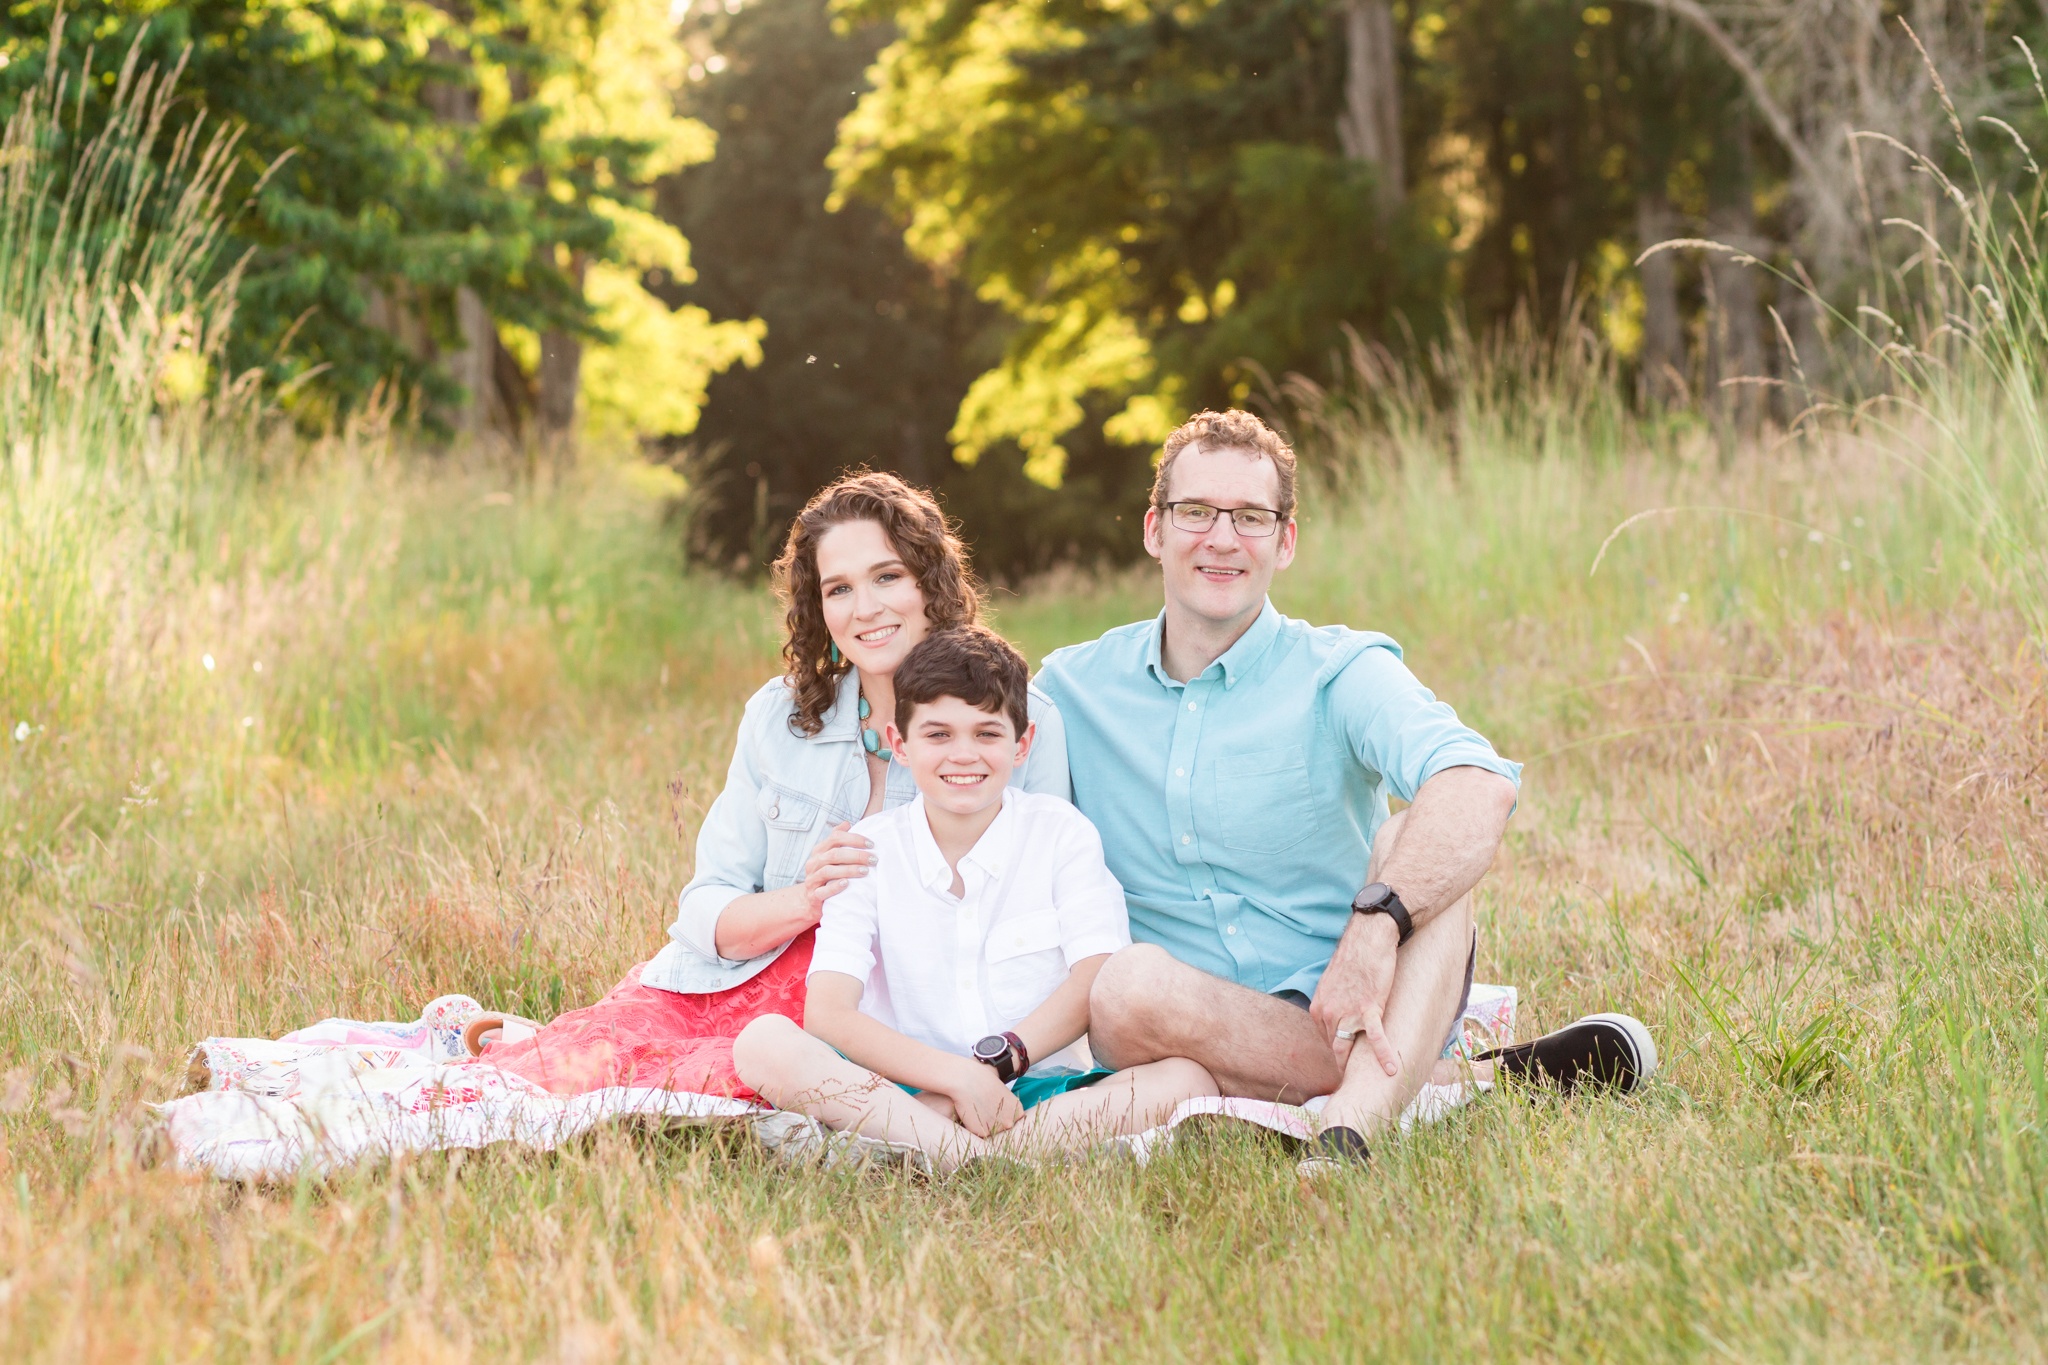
point(982, 1104)
point(839, 857)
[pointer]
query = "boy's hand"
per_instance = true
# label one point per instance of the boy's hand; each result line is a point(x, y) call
point(982, 1104)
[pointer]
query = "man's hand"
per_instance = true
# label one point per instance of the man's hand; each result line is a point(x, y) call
point(1351, 1000)
point(982, 1104)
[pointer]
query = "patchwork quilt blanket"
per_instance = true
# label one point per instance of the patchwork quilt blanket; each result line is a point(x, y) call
point(342, 1092)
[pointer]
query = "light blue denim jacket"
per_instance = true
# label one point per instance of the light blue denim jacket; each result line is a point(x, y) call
point(782, 793)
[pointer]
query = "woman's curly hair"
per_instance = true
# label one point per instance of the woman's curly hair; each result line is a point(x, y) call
point(919, 533)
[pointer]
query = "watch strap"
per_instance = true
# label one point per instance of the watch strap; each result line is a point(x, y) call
point(1022, 1054)
point(1383, 900)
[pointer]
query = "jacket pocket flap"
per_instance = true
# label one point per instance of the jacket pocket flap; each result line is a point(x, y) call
point(785, 809)
point(1025, 934)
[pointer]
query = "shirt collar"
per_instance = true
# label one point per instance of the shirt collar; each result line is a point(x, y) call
point(1235, 662)
point(993, 852)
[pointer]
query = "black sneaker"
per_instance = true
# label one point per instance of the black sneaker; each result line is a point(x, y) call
point(1334, 1151)
point(1600, 1049)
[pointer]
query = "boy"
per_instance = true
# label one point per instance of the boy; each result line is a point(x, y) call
point(963, 960)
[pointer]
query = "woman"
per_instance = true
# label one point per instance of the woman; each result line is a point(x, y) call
point(870, 568)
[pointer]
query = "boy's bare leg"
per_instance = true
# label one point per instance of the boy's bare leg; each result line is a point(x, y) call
point(1128, 1102)
point(793, 1070)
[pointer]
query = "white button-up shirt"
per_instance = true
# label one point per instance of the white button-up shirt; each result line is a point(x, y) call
point(783, 792)
point(947, 970)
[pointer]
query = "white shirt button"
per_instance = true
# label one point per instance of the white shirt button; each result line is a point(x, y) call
point(1180, 772)
point(1191, 706)
point(1187, 838)
point(1231, 930)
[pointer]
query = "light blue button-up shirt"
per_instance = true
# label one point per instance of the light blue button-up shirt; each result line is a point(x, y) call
point(1238, 810)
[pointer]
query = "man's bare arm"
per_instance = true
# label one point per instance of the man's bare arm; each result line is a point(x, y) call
point(1447, 842)
point(1449, 839)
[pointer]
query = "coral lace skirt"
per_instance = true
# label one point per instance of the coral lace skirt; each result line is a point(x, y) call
point(640, 1036)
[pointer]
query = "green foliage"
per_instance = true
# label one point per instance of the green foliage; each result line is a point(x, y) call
point(378, 194)
point(868, 351)
point(1152, 191)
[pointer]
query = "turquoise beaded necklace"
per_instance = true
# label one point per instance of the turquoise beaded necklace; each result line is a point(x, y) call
point(870, 740)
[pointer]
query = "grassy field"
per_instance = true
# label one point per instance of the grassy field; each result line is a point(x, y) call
point(337, 734)
point(300, 730)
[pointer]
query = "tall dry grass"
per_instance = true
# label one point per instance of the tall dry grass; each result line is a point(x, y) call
point(1783, 801)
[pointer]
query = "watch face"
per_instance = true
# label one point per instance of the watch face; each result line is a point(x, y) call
point(1373, 894)
point(992, 1049)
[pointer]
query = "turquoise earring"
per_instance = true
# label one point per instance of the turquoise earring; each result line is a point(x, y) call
point(835, 654)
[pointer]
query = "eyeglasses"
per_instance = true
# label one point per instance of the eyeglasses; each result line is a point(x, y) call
point(1199, 516)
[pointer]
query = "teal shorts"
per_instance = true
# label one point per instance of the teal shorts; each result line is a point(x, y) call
point(1030, 1091)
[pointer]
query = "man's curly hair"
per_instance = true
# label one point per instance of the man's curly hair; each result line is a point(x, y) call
point(920, 535)
point(1233, 430)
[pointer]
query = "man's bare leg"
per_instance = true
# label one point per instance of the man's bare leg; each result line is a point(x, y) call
point(1146, 1005)
point(1429, 983)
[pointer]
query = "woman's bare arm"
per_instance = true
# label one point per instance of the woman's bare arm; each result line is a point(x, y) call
point(752, 924)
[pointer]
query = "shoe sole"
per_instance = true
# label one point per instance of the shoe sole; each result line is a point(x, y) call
point(1639, 1039)
point(1622, 1030)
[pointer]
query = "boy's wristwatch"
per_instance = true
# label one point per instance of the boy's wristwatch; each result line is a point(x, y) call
point(1006, 1053)
point(1379, 899)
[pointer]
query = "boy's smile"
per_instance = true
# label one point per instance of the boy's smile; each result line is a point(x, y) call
point(961, 758)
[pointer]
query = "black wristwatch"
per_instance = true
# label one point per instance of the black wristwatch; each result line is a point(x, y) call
point(1006, 1053)
point(1379, 899)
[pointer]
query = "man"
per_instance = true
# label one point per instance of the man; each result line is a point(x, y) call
point(1238, 764)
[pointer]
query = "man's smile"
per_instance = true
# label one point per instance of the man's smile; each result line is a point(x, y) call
point(1218, 572)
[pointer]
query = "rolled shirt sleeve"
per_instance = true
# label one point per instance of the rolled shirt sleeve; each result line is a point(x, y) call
point(847, 933)
point(1396, 726)
point(1088, 899)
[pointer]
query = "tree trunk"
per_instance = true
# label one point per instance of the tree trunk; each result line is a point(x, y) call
point(1735, 326)
point(475, 366)
point(1370, 127)
point(1660, 376)
point(561, 381)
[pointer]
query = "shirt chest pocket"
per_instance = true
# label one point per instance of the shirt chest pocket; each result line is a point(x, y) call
point(1264, 801)
point(1025, 964)
point(791, 819)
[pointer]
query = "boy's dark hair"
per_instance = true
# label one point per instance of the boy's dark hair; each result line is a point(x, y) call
point(972, 663)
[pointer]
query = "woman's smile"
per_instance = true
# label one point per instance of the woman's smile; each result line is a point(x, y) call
point(879, 635)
